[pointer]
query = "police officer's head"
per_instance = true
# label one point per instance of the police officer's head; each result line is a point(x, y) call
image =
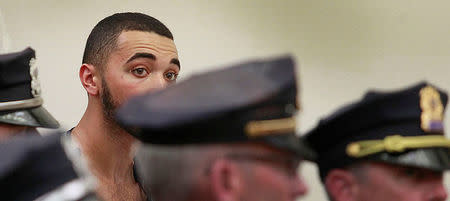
point(223, 135)
point(20, 94)
point(386, 146)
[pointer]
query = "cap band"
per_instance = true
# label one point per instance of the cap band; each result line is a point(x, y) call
point(21, 104)
point(395, 143)
point(266, 127)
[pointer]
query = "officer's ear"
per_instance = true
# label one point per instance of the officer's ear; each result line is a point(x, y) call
point(226, 183)
point(89, 78)
point(341, 185)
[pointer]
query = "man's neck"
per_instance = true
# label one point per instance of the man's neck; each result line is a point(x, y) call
point(106, 146)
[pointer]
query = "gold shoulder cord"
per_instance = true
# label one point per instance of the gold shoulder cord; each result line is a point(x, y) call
point(395, 143)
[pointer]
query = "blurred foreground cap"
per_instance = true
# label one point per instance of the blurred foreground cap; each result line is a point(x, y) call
point(249, 102)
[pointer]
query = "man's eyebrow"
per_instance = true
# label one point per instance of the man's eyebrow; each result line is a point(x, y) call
point(176, 62)
point(142, 55)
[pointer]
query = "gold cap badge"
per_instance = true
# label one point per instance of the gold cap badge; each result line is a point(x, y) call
point(432, 110)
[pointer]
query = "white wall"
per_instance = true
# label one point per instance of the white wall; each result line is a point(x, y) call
point(343, 47)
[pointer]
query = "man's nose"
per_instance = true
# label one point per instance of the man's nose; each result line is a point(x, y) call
point(160, 82)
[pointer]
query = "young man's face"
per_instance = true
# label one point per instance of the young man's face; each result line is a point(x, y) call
point(273, 177)
point(141, 62)
point(385, 182)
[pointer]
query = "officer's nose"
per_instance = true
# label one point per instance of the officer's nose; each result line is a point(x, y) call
point(437, 191)
point(300, 187)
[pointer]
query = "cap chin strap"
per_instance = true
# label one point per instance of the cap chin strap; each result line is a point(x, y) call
point(21, 104)
point(396, 144)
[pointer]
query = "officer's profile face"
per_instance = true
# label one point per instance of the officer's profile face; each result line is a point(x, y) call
point(270, 175)
point(387, 182)
point(141, 62)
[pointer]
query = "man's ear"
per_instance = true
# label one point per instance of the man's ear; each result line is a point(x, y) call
point(226, 181)
point(342, 185)
point(89, 78)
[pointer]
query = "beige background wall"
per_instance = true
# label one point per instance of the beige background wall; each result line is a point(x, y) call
point(342, 47)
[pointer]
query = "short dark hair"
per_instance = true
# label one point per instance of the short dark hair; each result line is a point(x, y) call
point(103, 38)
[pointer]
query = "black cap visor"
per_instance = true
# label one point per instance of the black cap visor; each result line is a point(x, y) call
point(290, 143)
point(437, 159)
point(35, 117)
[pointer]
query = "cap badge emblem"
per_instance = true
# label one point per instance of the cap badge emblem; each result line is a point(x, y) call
point(35, 84)
point(432, 110)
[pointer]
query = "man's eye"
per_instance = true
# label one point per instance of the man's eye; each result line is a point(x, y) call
point(171, 76)
point(140, 72)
